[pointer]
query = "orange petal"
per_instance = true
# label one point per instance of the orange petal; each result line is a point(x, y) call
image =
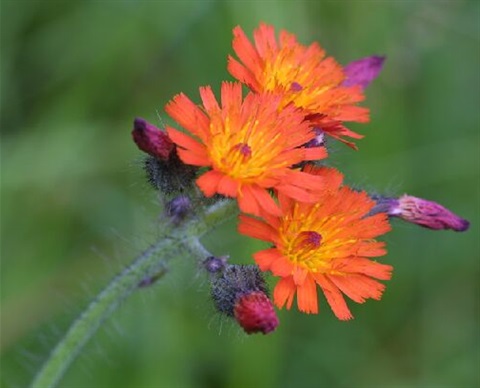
point(315, 153)
point(208, 182)
point(227, 186)
point(358, 287)
point(265, 41)
point(231, 95)
point(284, 292)
point(189, 116)
point(360, 265)
point(247, 202)
point(265, 258)
point(334, 298)
point(255, 228)
point(193, 153)
point(307, 296)
point(241, 73)
point(299, 275)
point(281, 266)
point(208, 99)
point(191, 158)
point(262, 199)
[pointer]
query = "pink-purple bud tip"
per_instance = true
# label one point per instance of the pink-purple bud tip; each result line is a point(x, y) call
point(363, 71)
point(254, 312)
point(151, 140)
point(428, 214)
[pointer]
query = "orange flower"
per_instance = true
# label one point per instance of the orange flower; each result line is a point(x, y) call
point(250, 146)
point(328, 243)
point(301, 75)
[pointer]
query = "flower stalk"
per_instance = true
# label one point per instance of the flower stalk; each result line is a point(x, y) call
point(151, 261)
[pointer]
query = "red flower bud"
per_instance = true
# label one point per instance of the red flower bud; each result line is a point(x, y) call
point(151, 139)
point(240, 291)
point(255, 313)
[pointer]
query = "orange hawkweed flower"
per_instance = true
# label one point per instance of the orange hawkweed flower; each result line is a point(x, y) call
point(328, 243)
point(249, 144)
point(301, 75)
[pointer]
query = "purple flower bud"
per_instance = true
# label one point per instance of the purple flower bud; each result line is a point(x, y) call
point(429, 214)
point(152, 140)
point(363, 71)
point(419, 211)
point(178, 208)
point(215, 264)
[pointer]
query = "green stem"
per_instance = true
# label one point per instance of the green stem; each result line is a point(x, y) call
point(150, 262)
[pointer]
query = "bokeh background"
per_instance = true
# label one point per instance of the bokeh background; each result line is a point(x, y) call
point(76, 208)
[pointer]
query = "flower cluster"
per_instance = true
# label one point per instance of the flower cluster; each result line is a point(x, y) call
point(265, 148)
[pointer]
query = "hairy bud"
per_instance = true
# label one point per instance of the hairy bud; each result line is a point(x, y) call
point(170, 176)
point(240, 291)
point(165, 171)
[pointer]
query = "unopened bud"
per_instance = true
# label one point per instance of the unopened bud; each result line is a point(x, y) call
point(240, 291)
point(215, 264)
point(419, 211)
point(363, 71)
point(152, 140)
point(255, 313)
point(169, 176)
point(179, 208)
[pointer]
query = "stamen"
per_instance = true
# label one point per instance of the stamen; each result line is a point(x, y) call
point(296, 87)
point(244, 149)
point(309, 240)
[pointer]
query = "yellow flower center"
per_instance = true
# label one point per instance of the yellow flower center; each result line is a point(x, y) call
point(311, 242)
point(247, 153)
point(303, 83)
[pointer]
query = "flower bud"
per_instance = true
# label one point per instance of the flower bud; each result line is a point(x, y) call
point(240, 291)
point(363, 71)
point(255, 313)
point(169, 176)
point(419, 211)
point(179, 208)
point(215, 264)
point(151, 140)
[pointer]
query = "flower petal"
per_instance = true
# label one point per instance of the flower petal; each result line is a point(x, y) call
point(334, 298)
point(284, 292)
point(307, 300)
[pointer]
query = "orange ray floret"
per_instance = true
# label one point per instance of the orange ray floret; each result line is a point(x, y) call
point(328, 243)
point(301, 75)
point(249, 144)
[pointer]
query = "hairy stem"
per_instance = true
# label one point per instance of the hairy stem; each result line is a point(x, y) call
point(151, 262)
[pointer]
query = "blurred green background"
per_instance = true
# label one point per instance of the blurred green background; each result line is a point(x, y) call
point(75, 206)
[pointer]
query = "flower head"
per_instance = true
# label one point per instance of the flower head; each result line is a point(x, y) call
point(249, 144)
point(328, 243)
point(301, 75)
